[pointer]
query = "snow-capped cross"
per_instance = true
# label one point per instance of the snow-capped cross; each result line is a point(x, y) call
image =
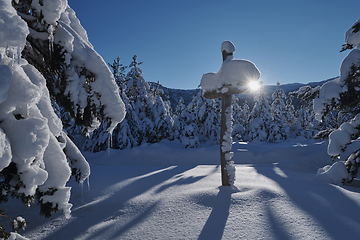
point(232, 78)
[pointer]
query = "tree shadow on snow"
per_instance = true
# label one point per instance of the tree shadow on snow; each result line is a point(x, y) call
point(88, 220)
point(215, 225)
point(335, 212)
point(181, 180)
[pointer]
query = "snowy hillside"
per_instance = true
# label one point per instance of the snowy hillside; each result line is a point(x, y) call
point(162, 191)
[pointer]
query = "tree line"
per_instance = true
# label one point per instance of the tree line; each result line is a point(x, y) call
point(150, 117)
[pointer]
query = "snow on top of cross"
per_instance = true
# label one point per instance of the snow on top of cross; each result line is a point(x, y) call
point(228, 46)
point(233, 73)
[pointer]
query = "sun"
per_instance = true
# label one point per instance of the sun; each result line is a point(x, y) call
point(254, 85)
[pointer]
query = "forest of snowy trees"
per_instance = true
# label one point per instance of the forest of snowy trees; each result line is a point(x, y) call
point(151, 117)
point(57, 90)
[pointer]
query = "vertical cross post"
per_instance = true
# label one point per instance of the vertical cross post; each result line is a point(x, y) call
point(224, 128)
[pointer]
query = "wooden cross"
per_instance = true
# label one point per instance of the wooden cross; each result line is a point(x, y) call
point(225, 92)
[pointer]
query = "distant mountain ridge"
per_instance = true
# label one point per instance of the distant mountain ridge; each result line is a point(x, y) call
point(173, 95)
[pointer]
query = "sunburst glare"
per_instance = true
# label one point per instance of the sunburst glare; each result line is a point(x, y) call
point(254, 85)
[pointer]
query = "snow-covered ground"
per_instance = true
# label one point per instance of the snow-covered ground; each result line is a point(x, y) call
point(163, 191)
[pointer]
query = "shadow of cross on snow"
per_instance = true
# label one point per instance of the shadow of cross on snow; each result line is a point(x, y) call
point(215, 225)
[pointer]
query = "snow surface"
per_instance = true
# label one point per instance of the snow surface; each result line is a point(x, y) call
point(163, 191)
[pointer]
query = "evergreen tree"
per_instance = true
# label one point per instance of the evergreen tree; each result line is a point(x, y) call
point(279, 129)
point(260, 119)
point(210, 124)
point(343, 94)
point(58, 47)
point(204, 117)
point(163, 122)
point(237, 120)
point(50, 63)
point(179, 119)
point(123, 136)
point(290, 109)
point(306, 125)
point(245, 114)
point(118, 71)
point(148, 118)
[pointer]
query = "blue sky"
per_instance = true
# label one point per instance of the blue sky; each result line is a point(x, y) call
point(178, 41)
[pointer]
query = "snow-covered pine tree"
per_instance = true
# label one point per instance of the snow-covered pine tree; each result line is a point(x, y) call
point(306, 125)
point(163, 121)
point(245, 113)
point(343, 94)
point(189, 135)
point(118, 71)
point(148, 118)
point(179, 118)
point(137, 90)
point(209, 125)
point(203, 115)
point(280, 127)
point(58, 47)
point(292, 114)
point(41, 159)
point(122, 136)
point(260, 118)
point(237, 119)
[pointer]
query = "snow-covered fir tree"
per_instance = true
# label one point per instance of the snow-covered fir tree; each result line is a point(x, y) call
point(343, 94)
point(280, 126)
point(118, 70)
point(209, 125)
point(238, 119)
point(290, 109)
point(306, 125)
point(178, 118)
point(58, 47)
point(138, 92)
point(45, 53)
point(202, 116)
point(148, 118)
point(260, 119)
point(163, 121)
point(187, 123)
point(245, 113)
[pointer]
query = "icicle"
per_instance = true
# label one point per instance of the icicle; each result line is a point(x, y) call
point(109, 143)
point(12, 61)
point(18, 54)
point(50, 30)
point(82, 191)
point(27, 110)
point(88, 183)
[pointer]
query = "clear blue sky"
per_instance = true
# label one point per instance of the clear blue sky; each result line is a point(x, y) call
point(179, 40)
